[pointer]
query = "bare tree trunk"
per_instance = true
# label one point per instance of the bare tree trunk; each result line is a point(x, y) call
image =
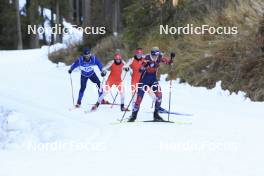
point(86, 17)
point(19, 33)
point(70, 12)
point(33, 14)
point(108, 13)
point(43, 21)
point(116, 17)
point(77, 4)
point(52, 23)
point(61, 22)
point(57, 21)
point(87, 12)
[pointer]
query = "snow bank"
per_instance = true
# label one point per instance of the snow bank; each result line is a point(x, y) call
point(222, 137)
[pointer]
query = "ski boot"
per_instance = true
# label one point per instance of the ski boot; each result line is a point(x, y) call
point(123, 108)
point(133, 117)
point(95, 106)
point(105, 102)
point(157, 117)
point(78, 105)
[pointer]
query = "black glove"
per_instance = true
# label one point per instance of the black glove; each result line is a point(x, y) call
point(126, 69)
point(172, 55)
point(70, 71)
point(103, 73)
point(142, 69)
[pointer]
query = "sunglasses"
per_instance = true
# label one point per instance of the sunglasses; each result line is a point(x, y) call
point(139, 56)
point(87, 56)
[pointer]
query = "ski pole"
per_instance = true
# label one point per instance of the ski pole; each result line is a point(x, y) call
point(169, 100)
point(152, 104)
point(153, 101)
point(117, 92)
point(72, 90)
point(128, 107)
point(101, 85)
point(114, 100)
point(172, 56)
point(141, 77)
point(111, 93)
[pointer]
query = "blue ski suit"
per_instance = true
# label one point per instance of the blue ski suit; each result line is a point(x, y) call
point(87, 72)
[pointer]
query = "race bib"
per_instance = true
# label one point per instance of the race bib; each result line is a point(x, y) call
point(86, 69)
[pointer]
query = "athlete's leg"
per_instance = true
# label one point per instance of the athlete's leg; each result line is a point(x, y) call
point(158, 94)
point(82, 89)
point(96, 80)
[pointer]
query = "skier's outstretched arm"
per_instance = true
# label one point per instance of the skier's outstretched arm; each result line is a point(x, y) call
point(166, 60)
point(106, 68)
point(108, 65)
point(74, 65)
point(125, 69)
point(124, 63)
point(128, 64)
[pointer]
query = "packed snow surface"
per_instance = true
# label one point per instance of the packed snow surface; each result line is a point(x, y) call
point(223, 136)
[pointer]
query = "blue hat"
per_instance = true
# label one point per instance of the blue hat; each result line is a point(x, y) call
point(86, 51)
point(155, 51)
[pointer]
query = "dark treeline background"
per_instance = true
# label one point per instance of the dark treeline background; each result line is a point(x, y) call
point(113, 14)
point(14, 21)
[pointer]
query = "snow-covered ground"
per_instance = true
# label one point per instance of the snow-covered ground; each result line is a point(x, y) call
point(40, 136)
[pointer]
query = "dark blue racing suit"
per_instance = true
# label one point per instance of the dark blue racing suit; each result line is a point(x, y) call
point(149, 80)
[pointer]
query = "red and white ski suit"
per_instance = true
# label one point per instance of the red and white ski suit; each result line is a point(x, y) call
point(114, 78)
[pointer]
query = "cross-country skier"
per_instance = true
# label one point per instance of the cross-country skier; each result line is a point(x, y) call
point(149, 81)
point(135, 64)
point(85, 63)
point(116, 68)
